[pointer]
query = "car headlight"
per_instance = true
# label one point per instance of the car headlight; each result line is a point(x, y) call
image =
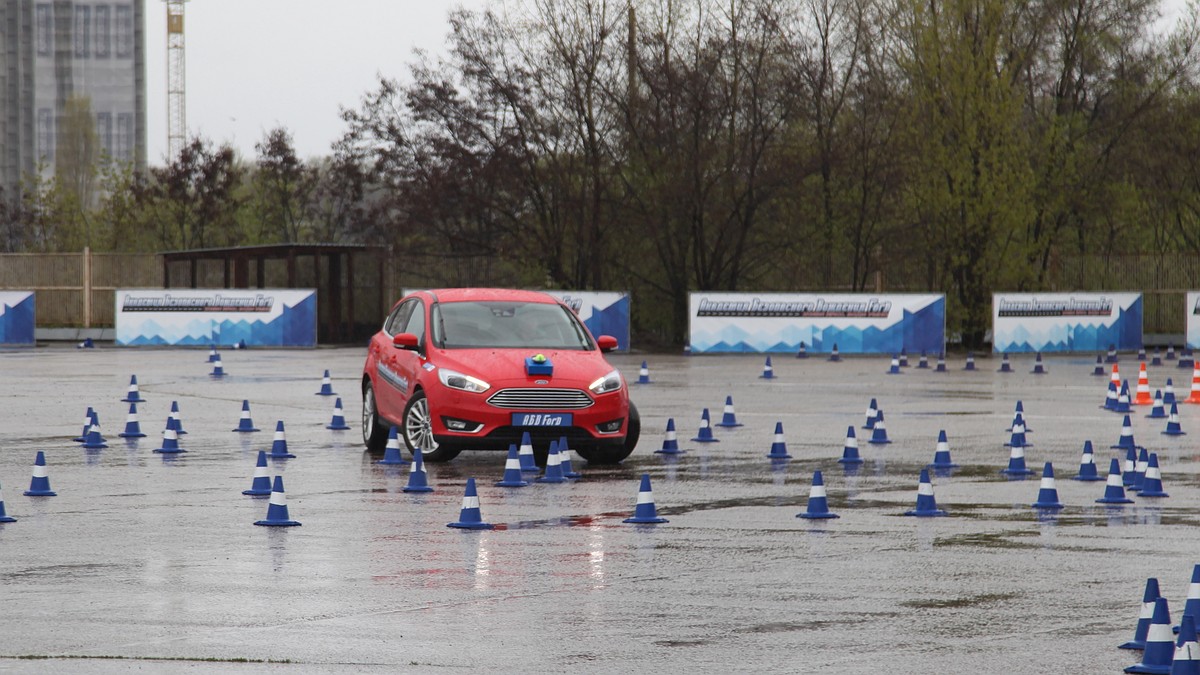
point(456, 380)
point(610, 382)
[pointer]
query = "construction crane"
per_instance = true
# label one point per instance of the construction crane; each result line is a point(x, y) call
point(176, 90)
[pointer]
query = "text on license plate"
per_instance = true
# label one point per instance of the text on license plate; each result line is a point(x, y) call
point(541, 419)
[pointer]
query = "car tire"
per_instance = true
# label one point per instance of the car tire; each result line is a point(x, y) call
point(611, 455)
point(417, 430)
point(375, 432)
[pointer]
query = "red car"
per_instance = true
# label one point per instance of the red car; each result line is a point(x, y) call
point(475, 368)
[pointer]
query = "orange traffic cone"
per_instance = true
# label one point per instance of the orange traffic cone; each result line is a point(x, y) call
point(1143, 397)
point(1195, 395)
point(1116, 376)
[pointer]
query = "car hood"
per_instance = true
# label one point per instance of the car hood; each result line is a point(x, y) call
point(506, 367)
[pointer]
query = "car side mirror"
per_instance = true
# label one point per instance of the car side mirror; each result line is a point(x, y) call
point(405, 341)
point(606, 343)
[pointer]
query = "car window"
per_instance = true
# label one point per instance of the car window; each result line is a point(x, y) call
point(399, 317)
point(535, 325)
point(416, 321)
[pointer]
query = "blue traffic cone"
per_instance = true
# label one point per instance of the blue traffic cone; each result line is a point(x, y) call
point(4, 517)
point(1141, 355)
point(1160, 644)
point(1158, 410)
point(834, 355)
point(174, 414)
point(245, 424)
point(1130, 468)
point(926, 504)
point(1145, 615)
point(850, 448)
point(768, 372)
point(941, 363)
point(818, 504)
point(1114, 490)
point(1192, 607)
point(470, 518)
point(1087, 465)
point(1038, 367)
point(802, 352)
point(1152, 483)
point(1156, 360)
point(1185, 359)
point(1186, 660)
point(277, 510)
point(87, 424)
point(970, 361)
point(1099, 369)
point(133, 396)
point(1123, 400)
point(1169, 393)
point(1139, 470)
point(903, 358)
point(553, 472)
point(170, 443)
point(872, 415)
point(643, 374)
point(261, 485)
point(218, 369)
point(705, 435)
point(1110, 397)
point(1048, 493)
point(1018, 433)
point(941, 455)
point(1173, 428)
point(1005, 366)
point(512, 470)
point(241, 344)
point(1112, 355)
point(778, 446)
point(1016, 463)
point(894, 368)
point(645, 512)
point(279, 446)
point(338, 423)
point(94, 439)
point(40, 485)
point(326, 386)
point(728, 418)
point(1170, 356)
point(879, 433)
point(564, 453)
point(86, 344)
point(417, 480)
point(525, 454)
point(923, 361)
point(212, 354)
point(1126, 438)
point(391, 452)
point(670, 444)
point(133, 429)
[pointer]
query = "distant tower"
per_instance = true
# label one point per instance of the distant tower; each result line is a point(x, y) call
point(176, 90)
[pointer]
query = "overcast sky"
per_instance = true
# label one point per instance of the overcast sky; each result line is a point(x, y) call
point(253, 65)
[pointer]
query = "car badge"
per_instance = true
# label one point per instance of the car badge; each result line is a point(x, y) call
point(428, 366)
point(541, 381)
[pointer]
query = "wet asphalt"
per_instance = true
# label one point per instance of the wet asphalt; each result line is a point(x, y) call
point(151, 563)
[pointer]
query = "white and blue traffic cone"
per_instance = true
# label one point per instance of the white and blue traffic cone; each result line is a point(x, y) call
point(338, 423)
point(1123, 400)
point(1152, 483)
point(1038, 367)
point(1192, 607)
point(279, 446)
point(1048, 492)
point(1087, 465)
point(170, 443)
point(1112, 355)
point(39, 486)
point(1158, 410)
point(768, 372)
point(1145, 615)
point(525, 454)
point(391, 452)
point(326, 386)
point(87, 424)
point(818, 504)
point(1016, 463)
point(470, 518)
point(1160, 643)
point(1185, 359)
point(4, 517)
point(1170, 356)
point(1126, 439)
point(174, 414)
point(86, 344)
point(564, 453)
point(1169, 392)
point(778, 445)
point(670, 444)
point(894, 368)
point(643, 374)
point(133, 396)
point(850, 448)
point(1114, 490)
point(241, 344)
point(941, 455)
point(553, 472)
point(1017, 439)
point(970, 361)
point(1110, 397)
point(212, 354)
point(802, 351)
point(261, 485)
point(417, 480)
point(705, 435)
point(645, 512)
point(94, 439)
point(926, 504)
point(512, 470)
point(1173, 428)
point(218, 369)
point(941, 363)
point(872, 415)
point(903, 358)
point(1099, 369)
point(834, 355)
point(728, 417)
point(923, 361)
point(879, 433)
point(133, 429)
point(1139, 470)
point(245, 423)
point(1186, 660)
point(1130, 469)
point(1141, 355)
point(277, 510)
point(1005, 366)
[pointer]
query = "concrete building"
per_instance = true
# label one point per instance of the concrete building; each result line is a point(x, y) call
point(52, 52)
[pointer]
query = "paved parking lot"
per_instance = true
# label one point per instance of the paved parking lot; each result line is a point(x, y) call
point(152, 563)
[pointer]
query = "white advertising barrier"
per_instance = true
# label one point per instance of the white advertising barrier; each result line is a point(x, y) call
point(1066, 322)
point(1193, 320)
point(218, 316)
point(16, 318)
point(853, 322)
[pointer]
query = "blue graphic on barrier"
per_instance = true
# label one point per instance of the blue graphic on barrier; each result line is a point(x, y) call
point(294, 326)
point(17, 319)
point(1124, 331)
point(611, 320)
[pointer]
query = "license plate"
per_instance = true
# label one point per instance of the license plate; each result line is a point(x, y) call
point(541, 419)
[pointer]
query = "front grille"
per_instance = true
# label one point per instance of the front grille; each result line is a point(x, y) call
point(541, 399)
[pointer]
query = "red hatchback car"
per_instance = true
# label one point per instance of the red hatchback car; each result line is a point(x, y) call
point(475, 368)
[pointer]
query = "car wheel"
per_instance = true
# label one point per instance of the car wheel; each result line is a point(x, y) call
point(374, 432)
point(418, 431)
point(610, 455)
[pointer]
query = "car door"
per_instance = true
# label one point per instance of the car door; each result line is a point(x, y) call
point(390, 395)
point(407, 363)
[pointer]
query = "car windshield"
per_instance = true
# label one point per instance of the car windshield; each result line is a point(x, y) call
point(523, 325)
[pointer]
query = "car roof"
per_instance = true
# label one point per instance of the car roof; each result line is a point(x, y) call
point(490, 294)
